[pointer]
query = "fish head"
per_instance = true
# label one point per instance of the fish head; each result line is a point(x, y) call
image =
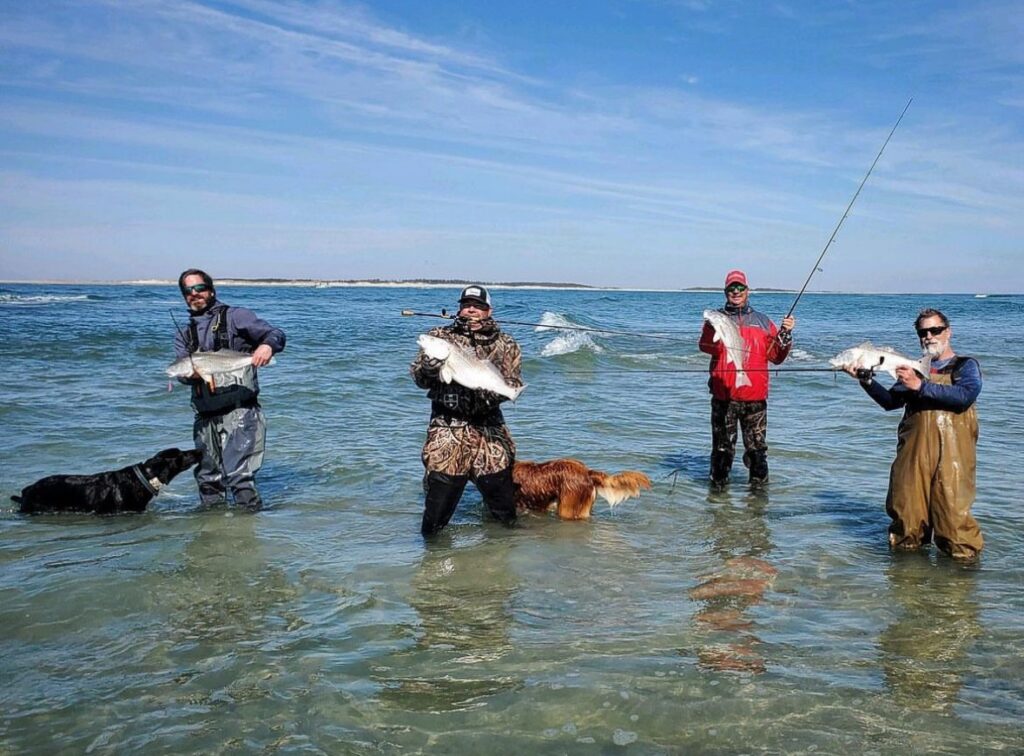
point(433, 347)
point(180, 368)
point(859, 357)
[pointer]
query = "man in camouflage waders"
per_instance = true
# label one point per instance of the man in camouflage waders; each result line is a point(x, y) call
point(467, 439)
point(229, 427)
point(932, 480)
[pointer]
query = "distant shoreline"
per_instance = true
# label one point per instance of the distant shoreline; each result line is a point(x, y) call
point(506, 285)
point(375, 283)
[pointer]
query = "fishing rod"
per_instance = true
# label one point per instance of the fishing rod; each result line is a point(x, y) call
point(705, 370)
point(856, 194)
point(181, 332)
point(444, 315)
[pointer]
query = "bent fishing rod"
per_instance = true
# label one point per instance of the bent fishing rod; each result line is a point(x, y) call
point(445, 316)
point(181, 332)
point(856, 194)
point(705, 370)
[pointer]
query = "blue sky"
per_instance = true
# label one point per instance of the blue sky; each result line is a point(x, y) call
point(639, 143)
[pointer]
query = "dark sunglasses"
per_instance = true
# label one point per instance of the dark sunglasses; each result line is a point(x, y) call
point(733, 288)
point(934, 331)
point(196, 289)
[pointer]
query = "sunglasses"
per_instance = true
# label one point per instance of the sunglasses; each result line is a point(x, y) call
point(934, 331)
point(195, 289)
point(734, 288)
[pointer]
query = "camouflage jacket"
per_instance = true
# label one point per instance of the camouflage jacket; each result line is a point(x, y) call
point(458, 403)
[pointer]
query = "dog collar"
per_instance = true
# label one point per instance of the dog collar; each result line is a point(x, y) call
point(153, 484)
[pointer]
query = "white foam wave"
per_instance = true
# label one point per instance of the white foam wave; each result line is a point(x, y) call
point(800, 355)
point(567, 341)
point(38, 299)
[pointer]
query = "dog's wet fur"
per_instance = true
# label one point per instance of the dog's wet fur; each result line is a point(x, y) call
point(105, 493)
point(570, 487)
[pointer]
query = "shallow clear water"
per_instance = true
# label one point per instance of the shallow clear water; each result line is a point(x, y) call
point(324, 624)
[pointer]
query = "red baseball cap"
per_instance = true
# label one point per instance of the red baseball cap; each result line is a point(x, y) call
point(735, 276)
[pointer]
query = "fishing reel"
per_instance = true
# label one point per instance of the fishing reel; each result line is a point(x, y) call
point(866, 375)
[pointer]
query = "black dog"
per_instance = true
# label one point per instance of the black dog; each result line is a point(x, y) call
point(129, 489)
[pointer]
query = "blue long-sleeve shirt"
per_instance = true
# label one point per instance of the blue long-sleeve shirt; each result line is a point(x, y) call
point(932, 396)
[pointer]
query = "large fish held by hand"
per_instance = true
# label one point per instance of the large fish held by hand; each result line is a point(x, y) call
point(465, 368)
point(728, 333)
point(212, 367)
point(869, 357)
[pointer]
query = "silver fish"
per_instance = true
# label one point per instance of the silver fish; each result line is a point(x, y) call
point(869, 357)
point(465, 368)
point(210, 365)
point(728, 333)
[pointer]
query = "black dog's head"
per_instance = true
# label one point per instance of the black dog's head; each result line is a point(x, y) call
point(165, 465)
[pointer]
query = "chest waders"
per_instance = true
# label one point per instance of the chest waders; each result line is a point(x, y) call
point(932, 481)
point(229, 429)
point(467, 440)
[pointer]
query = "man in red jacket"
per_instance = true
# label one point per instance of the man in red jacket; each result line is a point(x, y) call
point(735, 397)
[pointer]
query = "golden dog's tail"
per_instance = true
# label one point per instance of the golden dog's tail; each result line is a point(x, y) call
point(619, 487)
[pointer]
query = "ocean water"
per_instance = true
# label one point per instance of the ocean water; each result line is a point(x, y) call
point(324, 624)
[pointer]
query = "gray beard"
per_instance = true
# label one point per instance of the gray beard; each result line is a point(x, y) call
point(934, 350)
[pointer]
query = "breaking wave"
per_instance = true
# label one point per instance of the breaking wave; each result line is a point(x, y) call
point(799, 355)
point(42, 299)
point(565, 342)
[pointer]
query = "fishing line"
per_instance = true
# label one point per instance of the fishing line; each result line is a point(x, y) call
point(181, 332)
point(705, 370)
point(446, 316)
point(856, 194)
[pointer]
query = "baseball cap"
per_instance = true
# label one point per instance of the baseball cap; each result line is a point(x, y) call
point(476, 293)
point(735, 276)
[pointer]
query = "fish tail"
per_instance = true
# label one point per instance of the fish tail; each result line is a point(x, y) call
point(925, 366)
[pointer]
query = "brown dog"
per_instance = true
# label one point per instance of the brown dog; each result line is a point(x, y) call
point(571, 486)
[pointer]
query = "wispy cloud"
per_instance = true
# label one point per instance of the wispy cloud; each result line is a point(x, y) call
point(273, 116)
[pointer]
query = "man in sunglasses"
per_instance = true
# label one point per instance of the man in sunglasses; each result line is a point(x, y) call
point(229, 427)
point(746, 404)
point(932, 483)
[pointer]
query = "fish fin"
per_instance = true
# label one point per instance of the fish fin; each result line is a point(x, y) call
point(516, 392)
point(446, 374)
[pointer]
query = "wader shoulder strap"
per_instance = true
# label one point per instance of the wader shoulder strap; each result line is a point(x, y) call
point(958, 363)
point(221, 339)
point(219, 329)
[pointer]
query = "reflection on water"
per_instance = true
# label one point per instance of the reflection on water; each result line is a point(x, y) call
point(738, 535)
point(924, 652)
point(224, 590)
point(462, 598)
point(323, 624)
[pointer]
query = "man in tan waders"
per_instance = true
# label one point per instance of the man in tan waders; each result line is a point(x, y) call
point(931, 485)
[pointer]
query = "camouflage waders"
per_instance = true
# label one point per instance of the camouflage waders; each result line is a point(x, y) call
point(232, 446)
point(467, 439)
point(753, 419)
point(932, 481)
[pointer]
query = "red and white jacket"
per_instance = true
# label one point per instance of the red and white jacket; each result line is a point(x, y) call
point(764, 344)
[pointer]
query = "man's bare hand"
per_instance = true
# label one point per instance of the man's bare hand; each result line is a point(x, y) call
point(909, 378)
point(262, 355)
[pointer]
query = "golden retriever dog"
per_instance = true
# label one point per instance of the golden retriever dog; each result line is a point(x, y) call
point(571, 487)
